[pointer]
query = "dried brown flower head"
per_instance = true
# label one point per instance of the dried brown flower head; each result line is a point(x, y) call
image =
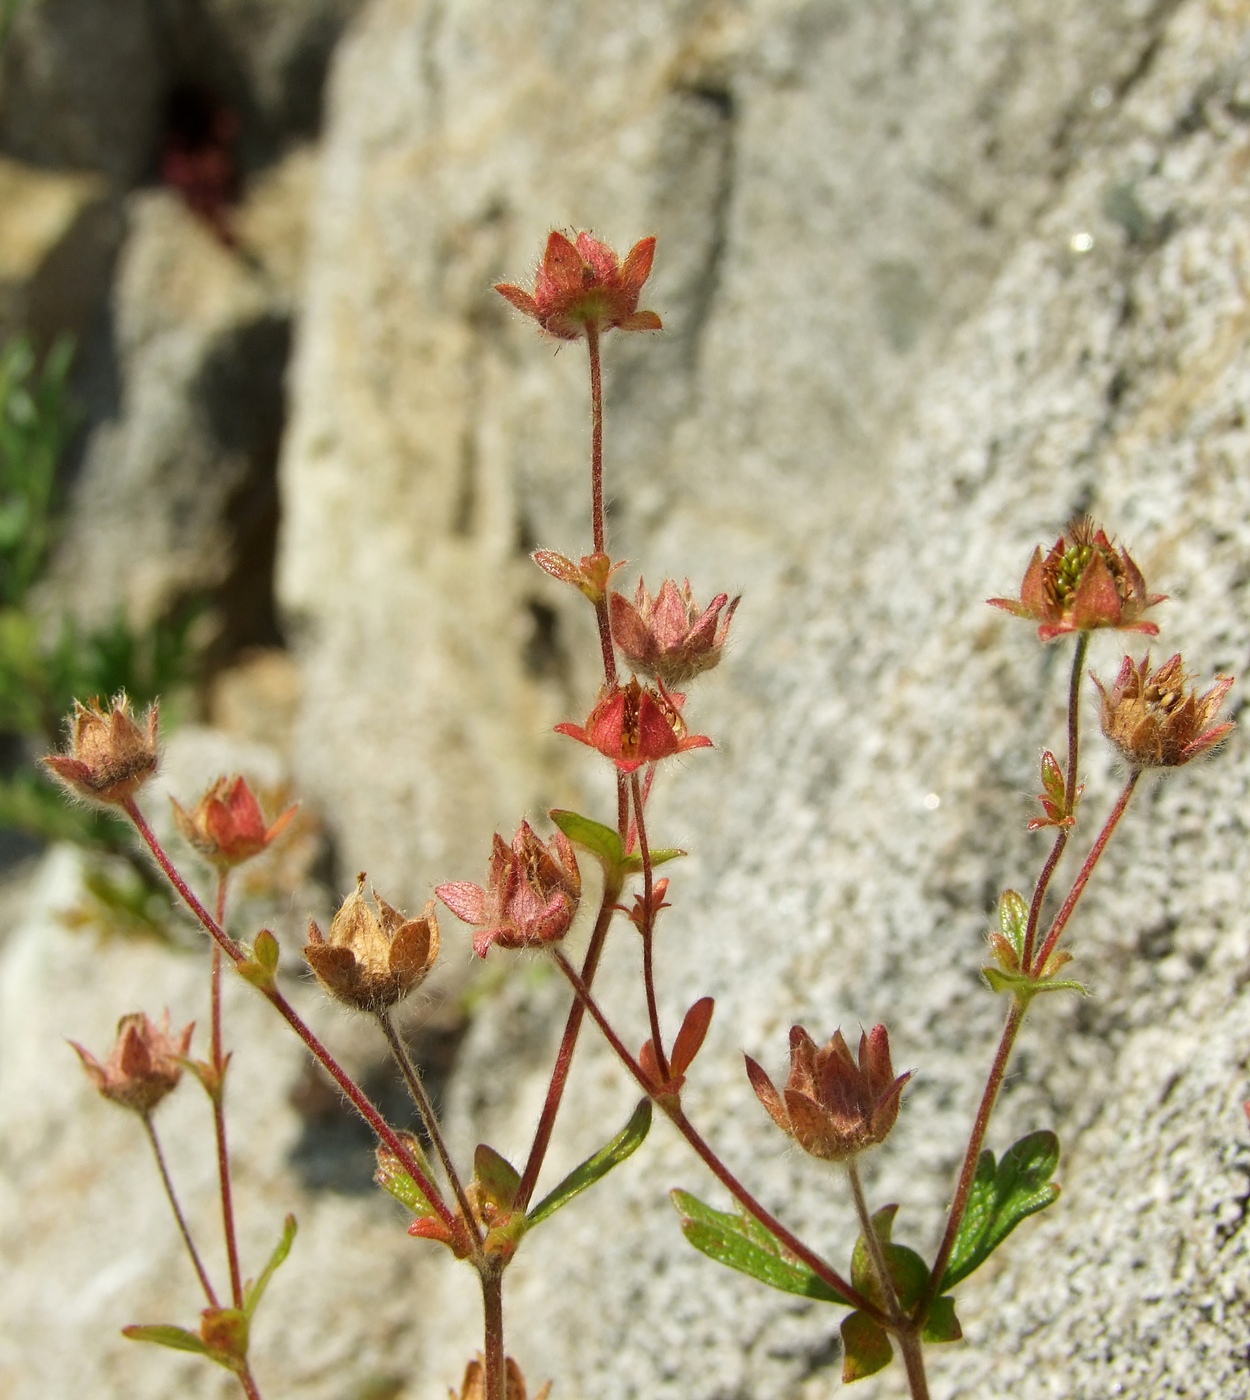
point(226, 825)
point(1083, 582)
point(831, 1106)
point(669, 636)
point(109, 757)
point(371, 961)
point(1157, 720)
point(473, 1387)
point(144, 1064)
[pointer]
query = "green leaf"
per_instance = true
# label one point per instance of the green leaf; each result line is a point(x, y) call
point(1013, 919)
point(1002, 1196)
point(391, 1176)
point(167, 1335)
point(497, 1176)
point(632, 864)
point(625, 1142)
point(253, 1293)
point(592, 836)
point(866, 1348)
point(908, 1271)
point(744, 1244)
point(942, 1325)
point(265, 951)
point(1023, 988)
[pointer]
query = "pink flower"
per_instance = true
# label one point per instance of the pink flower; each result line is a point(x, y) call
point(667, 636)
point(226, 825)
point(582, 284)
point(144, 1064)
point(531, 895)
point(1082, 585)
point(632, 726)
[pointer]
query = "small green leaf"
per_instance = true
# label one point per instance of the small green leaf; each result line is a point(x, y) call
point(592, 836)
point(497, 1176)
point(866, 1347)
point(167, 1335)
point(632, 864)
point(256, 973)
point(1002, 1196)
point(626, 1141)
point(908, 1271)
point(265, 951)
point(744, 1244)
point(1023, 988)
point(942, 1325)
point(253, 1293)
point(1013, 919)
point(392, 1178)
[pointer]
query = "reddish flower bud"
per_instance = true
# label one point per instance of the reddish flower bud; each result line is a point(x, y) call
point(109, 757)
point(473, 1387)
point(370, 961)
point(226, 825)
point(632, 726)
point(531, 895)
point(1154, 721)
point(667, 636)
point(1082, 585)
point(144, 1064)
point(583, 284)
point(832, 1107)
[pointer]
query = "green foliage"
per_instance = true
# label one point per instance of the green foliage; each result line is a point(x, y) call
point(1003, 1195)
point(254, 1292)
point(744, 1244)
point(866, 1347)
point(605, 845)
point(908, 1271)
point(627, 1141)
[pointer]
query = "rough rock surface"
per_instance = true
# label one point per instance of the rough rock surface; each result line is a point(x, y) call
point(933, 277)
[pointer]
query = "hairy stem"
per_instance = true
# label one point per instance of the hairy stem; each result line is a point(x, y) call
point(250, 1388)
point(218, 1097)
point(648, 929)
point(412, 1078)
point(1082, 879)
point(913, 1358)
point(672, 1108)
point(355, 1094)
point(568, 1043)
point(871, 1240)
point(976, 1142)
point(1061, 836)
point(597, 524)
point(177, 1210)
point(492, 1321)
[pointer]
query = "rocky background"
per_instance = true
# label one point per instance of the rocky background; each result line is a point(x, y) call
point(934, 277)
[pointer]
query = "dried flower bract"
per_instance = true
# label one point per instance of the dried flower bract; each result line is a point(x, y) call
point(226, 825)
point(110, 756)
point(531, 895)
point(1156, 719)
point(473, 1387)
point(831, 1106)
point(668, 636)
point(583, 284)
point(370, 961)
point(1084, 582)
point(144, 1064)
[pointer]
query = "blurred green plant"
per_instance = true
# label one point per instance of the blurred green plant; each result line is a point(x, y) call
point(43, 664)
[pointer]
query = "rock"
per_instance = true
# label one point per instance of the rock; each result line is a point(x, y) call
point(58, 234)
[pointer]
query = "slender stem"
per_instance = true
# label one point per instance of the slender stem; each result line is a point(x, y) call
point(672, 1107)
point(218, 1096)
point(975, 1143)
point(596, 438)
point(871, 1240)
point(492, 1321)
point(648, 929)
point(412, 1078)
point(913, 1359)
point(1091, 860)
point(622, 808)
point(177, 1209)
point(568, 1043)
point(250, 1388)
point(1061, 836)
point(357, 1097)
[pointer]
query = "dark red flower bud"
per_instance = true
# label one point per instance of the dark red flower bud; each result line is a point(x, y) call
point(144, 1065)
point(632, 726)
point(226, 825)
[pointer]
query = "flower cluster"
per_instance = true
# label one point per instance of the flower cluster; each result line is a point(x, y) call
point(227, 826)
point(1155, 720)
point(668, 636)
point(144, 1065)
point(633, 725)
point(109, 757)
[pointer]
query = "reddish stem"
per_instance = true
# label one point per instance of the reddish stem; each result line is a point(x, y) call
point(172, 1196)
point(648, 929)
point(492, 1323)
point(1091, 860)
point(250, 1388)
point(976, 1141)
point(356, 1096)
point(673, 1109)
point(218, 1097)
point(596, 438)
point(568, 1043)
point(1061, 836)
